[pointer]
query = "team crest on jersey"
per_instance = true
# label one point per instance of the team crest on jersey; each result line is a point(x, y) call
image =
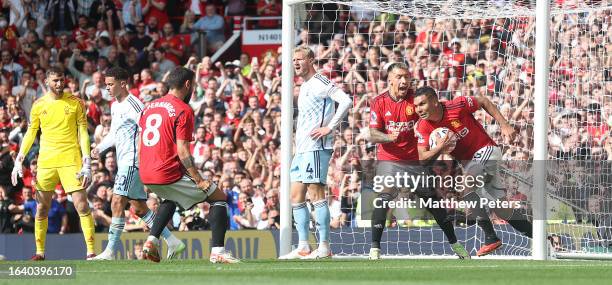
point(409, 110)
point(455, 124)
point(66, 110)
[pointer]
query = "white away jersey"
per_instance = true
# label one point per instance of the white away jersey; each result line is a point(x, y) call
point(124, 131)
point(315, 109)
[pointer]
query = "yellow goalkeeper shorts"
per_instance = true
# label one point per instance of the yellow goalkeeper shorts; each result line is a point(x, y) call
point(48, 178)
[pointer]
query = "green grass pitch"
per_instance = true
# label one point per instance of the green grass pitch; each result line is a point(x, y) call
point(332, 272)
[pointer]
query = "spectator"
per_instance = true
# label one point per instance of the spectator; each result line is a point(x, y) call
point(270, 216)
point(84, 7)
point(97, 82)
point(25, 93)
point(97, 106)
point(100, 9)
point(142, 40)
point(6, 164)
point(88, 68)
point(171, 43)
point(25, 223)
point(213, 25)
point(245, 219)
point(58, 220)
point(161, 65)
point(133, 223)
point(12, 72)
point(196, 219)
point(235, 7)
point(155, 9)
point(198, 7)
point(101, 219)
point(137, 253)
point(132, 13)
point(153, 203)
point(7, 210)
point(61, 15)
point(269, 8)
point(187, 27)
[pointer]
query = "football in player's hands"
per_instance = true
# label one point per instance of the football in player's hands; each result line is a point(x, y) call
point(439, 135)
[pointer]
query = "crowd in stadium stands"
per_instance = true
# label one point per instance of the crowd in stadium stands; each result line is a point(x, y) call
point(237, 102)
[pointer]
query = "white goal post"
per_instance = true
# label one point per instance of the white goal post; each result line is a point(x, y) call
point(444, 9)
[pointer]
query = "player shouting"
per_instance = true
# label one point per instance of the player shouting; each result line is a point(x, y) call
point(392, 118)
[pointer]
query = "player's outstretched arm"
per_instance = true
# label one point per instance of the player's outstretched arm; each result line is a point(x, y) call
point(489, 107)
point(26, 144)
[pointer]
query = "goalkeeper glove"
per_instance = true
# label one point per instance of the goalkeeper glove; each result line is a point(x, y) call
point(17, 169)
point(85, 172)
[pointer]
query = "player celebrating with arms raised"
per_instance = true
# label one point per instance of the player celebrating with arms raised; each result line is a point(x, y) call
point(167, 168)
point(123, 135)
point(63, 157)
point(474, 148)
point(314, 140)
point(392, 120)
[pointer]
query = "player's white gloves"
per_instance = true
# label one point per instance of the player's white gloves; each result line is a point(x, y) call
point(17, 169)
point(85, 172)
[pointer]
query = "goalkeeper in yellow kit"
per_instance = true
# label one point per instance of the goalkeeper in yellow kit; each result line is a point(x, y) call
point(63, 157)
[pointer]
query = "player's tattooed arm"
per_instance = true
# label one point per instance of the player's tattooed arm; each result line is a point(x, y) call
point(184, 154)
point(376, 136)
point(187, 162)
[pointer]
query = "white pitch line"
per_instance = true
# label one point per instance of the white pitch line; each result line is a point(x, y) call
point(411, 267)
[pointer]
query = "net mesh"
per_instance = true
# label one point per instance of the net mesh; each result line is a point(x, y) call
point(468, 48)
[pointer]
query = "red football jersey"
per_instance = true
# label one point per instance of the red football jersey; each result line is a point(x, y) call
point(388, 115)
point(175, 42)
point(458, 118)
point(163, 122)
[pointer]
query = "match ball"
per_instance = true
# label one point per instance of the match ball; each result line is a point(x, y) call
point(440, 133)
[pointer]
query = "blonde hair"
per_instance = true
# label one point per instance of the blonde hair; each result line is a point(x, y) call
point(305, 50)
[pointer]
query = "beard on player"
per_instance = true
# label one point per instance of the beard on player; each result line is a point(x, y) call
point(189, 92)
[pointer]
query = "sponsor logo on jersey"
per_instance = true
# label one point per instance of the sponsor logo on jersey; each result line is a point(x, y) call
point(400, 126)
point(463, 132)
point(373, 117)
